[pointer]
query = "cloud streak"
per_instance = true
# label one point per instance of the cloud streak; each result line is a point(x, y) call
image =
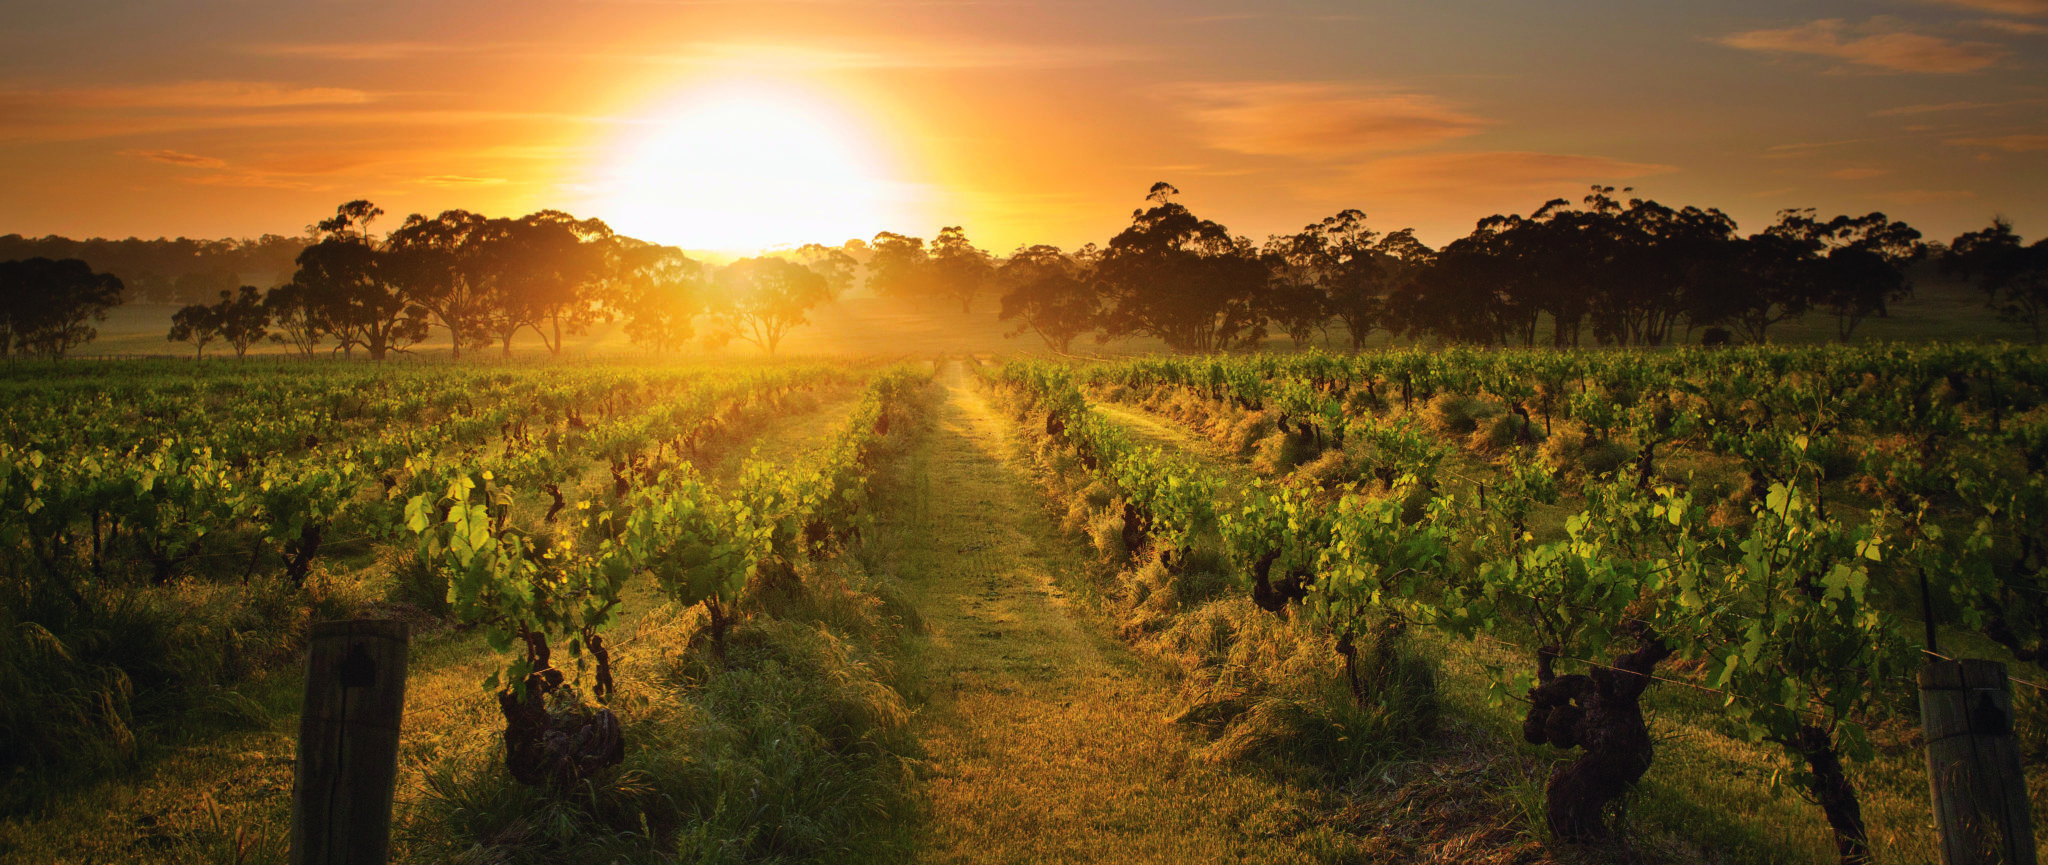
point(2023, 143)
point(186, 95)
point(2016, 28)
point(1892, 50)
point(925, 55)
point(379, 51)
point(1318, 120)
point(174, 157)
point(2003, 7)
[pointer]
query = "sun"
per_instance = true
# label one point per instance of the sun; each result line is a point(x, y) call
point(743, 167)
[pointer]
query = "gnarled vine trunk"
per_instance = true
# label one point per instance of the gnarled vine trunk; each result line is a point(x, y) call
point(559, 748)
point(1600, 712)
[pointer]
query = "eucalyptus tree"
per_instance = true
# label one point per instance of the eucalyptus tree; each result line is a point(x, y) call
point(48, 307)
point(356, 287)
point(900, 266)
point(2012, 275)
point(299, 319)
point(442, 264)
point(959, 269)
point(658, 290)
point(1048, 293)
point(1183, 279)
point(759, 300)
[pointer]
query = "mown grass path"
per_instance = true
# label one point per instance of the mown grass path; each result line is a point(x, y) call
point(1046, 737)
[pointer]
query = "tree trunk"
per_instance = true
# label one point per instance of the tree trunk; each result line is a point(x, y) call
point(1830, 787)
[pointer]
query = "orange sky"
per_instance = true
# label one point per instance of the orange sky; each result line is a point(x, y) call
point(1024, 122)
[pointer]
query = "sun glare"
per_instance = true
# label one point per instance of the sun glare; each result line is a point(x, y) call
point(743, 168)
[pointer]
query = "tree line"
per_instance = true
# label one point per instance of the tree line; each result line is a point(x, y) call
point(1605, 270)
point(484, 280)
point(166, 270)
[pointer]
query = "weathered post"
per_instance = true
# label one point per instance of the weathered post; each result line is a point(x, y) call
point(1973, 764)
point(348, 743)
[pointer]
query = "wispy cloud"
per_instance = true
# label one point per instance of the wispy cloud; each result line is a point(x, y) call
point(364, 50)
point(1858, 173)
point(73, 127)
point(1926, 196)
point(1799, 149)
point(1498, 171)
point(187, 95)
point(260, 180)
point(1905, 110)
point(2023, 143)
point(174, 157)
point(1871, 46)
point(1318, 120)
point(2002, 7)
point(908, 55)
point(2016, 28)
point(460, 180)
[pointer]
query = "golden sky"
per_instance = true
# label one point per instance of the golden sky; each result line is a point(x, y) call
point(739, 124)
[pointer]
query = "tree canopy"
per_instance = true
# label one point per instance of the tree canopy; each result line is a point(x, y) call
point(48, 308)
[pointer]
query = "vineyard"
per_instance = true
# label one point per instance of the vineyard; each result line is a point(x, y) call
point(1774, 538)
point(1450, 605)
point(171, 533)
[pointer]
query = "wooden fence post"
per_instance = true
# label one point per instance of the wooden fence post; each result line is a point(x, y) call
point(1973, 764)
point(348, 743)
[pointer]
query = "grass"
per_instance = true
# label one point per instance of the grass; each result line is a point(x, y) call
point(1047, 739)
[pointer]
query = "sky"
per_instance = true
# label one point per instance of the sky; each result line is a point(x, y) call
point(739, 125)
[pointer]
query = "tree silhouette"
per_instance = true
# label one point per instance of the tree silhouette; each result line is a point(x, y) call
point(1865, 268)
point(550, 268)
point(659, 290)
point(1048, 294)
point(2013, 277)
point(293, 309)
point(357, 289)
point(1466, 294)
point(351, 221)
point(1183, 279)
point(168, 270)
point(47, 307)
point(900, 266)
point(958, 269)
point(197, 324)
point(1294, 296)
point(441, 264)
point(831, 262)
point(1779, 276)
point(1356, 269)
point(758, 300)
point(242, 318)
